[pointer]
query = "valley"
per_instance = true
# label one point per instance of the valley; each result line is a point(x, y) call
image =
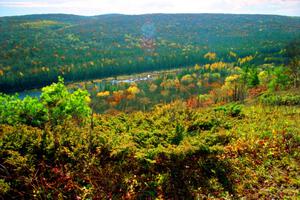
point(151, 106)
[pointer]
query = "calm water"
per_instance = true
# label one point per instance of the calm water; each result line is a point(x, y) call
point(31, 93)
point(37, 92)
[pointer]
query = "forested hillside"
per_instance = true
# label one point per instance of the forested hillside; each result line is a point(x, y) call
point(36, 49)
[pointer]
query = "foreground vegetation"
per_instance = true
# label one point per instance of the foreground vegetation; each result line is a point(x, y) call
point(53, 148)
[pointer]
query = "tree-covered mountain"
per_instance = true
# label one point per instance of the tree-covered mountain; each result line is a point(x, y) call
point(35, 49)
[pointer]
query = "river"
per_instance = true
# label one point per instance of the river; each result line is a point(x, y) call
point(37, 92)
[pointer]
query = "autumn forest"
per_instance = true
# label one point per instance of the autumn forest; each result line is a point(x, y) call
point(156, 106)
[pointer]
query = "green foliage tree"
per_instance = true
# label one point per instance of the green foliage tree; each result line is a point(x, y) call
point(62, 104)
point(33, 112)
point(28, 111)
point(264, 78)
point(293, 54)
point(253, 79)
point(56, 104)
point(280, 79)
point(9, 109)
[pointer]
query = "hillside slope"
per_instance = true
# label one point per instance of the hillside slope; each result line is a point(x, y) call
point(169, 153)
point(36, 49)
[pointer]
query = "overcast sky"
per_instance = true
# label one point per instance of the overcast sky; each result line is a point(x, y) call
point(96, 7)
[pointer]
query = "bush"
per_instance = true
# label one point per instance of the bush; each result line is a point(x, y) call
point(4, 187)
point(56, 104)
point(63, 105)
point(280, 100)
point(233, 110)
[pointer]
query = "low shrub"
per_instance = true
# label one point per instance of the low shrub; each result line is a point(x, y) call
point(279, 100)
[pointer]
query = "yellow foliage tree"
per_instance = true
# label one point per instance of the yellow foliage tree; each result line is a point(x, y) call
point(245, 59)
point(177, 83)
point(133, 89)
point(153, 87)
point(232, 87)
point(232, 54)
point(218, 66)
point(103, 94)
point(187, 78)
point(210, 56)
point(197, 67)
point(167, 84)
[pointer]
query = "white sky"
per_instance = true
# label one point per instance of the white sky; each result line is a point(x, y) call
point(96, 7)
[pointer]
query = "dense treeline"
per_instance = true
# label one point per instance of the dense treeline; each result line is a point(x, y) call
point(36, 49)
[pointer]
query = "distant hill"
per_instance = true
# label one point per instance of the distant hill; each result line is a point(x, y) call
point(35, 49)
